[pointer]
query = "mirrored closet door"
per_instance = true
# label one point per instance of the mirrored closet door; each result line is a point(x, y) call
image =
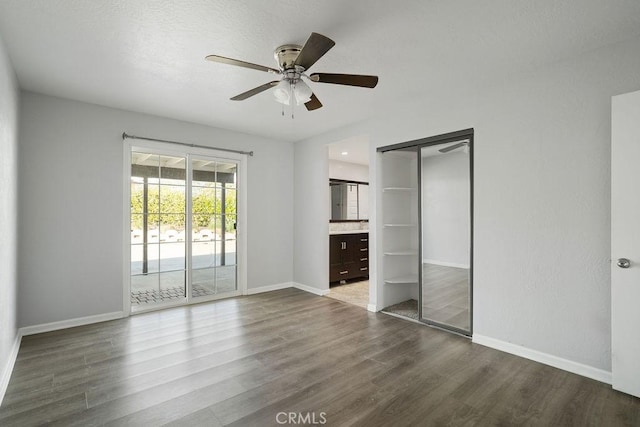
point(445, 232)
point(427, 230)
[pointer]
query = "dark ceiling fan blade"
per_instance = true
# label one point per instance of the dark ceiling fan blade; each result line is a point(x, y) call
point(315, 47)
point(345, 79)
point(255, 91)
point(314, 103)
point(230, 61)
point(453, 147)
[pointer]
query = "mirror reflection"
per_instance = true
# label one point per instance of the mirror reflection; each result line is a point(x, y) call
point(349, 200)
point(446, 234)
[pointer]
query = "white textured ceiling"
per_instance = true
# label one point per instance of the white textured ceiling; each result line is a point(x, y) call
point(148, 56)
point(356, 149)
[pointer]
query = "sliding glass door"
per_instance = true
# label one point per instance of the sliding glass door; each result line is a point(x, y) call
point(213, 213)
point(158, 190)
point(183, 221)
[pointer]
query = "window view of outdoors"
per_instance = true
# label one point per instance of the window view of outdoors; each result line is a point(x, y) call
point(160, 228)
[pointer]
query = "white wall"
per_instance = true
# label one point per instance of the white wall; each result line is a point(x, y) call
point(9, 99)
point(445, 209)
point(541, 205)
point(348, 171)
point(311, 212)
point(71, 184)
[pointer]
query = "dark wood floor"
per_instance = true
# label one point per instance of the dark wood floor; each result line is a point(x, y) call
point(242, 361)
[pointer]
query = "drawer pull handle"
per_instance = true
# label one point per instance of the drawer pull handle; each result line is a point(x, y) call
point(364, 259)
point(344, 272)
point(364, 240)
point(364, 268)
point(364, 249)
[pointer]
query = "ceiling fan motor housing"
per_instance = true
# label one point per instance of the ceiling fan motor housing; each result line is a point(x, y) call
point(286, 56)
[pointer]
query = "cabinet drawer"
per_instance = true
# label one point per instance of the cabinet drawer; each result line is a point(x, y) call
point(340, 272)
point(362, 241)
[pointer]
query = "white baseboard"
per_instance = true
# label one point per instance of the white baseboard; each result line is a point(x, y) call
point(70, 323)
point(547, 359)
point(8, 368)
point(372, 308)
point(269, 288)
point(445, 263)
point(309, 289)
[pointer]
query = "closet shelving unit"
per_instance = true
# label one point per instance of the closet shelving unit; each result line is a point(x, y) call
point(400, 226)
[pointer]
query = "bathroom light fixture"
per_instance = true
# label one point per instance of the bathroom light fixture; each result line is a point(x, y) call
point(344, 153)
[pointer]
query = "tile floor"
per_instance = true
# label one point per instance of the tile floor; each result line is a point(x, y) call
point(354, 293)
point(150, 296)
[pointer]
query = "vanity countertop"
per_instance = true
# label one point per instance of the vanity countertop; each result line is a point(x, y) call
point(348, 232)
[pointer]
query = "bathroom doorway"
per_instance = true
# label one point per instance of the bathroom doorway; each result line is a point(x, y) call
point(348, 173)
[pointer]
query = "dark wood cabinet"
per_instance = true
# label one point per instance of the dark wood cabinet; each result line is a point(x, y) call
point(348, 256)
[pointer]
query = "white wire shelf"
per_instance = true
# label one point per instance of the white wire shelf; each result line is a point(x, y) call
point(411, 279)
point(402, 252)
point(398, 189)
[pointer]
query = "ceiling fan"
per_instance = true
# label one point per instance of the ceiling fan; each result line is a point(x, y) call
point(453, 147)
point(293, 63)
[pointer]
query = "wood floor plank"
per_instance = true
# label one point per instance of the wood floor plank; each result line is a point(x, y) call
point(45, 412)
point(243, 360)
point(203, 417)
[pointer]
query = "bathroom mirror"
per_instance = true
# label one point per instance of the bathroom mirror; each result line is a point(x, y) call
point(349, 200)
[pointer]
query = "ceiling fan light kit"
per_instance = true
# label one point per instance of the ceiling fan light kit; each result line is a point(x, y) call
point(282, 92)
point(287, 90)
point(293, 61)
point(302, 92)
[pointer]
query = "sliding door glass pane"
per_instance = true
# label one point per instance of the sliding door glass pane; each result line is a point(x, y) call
point(214, 217)
point(157, 229)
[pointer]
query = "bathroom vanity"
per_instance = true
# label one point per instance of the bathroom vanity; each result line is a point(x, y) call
point(348, 255)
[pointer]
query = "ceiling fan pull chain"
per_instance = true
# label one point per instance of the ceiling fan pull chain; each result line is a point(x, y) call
point(292, 87)
point(292, 99)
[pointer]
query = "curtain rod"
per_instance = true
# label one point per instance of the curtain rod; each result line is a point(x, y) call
point(127, 136)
